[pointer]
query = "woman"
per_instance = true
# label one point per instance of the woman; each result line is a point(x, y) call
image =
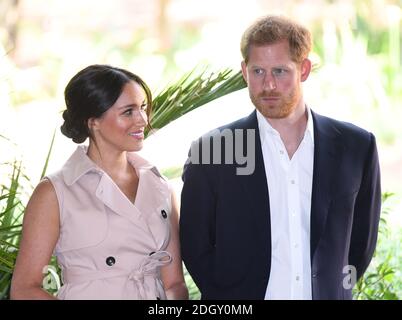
point(108, 215)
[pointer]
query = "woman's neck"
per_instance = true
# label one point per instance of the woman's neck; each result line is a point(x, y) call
point(113, 162)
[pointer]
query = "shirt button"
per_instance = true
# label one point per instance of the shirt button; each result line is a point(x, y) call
point(110, 261)
point(292, 181)
point(297, 278)
point(281, 152)
point(314, 275)
point(164, 214)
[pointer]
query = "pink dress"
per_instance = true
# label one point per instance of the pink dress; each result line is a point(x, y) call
point(110, 248)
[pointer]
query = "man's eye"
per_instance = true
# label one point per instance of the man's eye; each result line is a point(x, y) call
point(278, 72)
point(258, 71)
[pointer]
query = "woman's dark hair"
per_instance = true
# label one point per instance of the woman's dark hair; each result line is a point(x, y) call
point(90, 93)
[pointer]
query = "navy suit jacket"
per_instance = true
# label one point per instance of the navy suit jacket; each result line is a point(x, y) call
point(225, 229)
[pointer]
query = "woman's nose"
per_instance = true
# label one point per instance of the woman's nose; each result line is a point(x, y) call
point(140, 118)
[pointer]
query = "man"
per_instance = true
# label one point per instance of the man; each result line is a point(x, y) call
point(303, 224)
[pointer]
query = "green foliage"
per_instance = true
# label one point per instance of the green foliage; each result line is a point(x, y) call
point(193, 291)
point(11, 209)
point(48, 156)
point(191, 92)
point(173, 172)
point(11, 213)
point(380, 282)
point(360, 68)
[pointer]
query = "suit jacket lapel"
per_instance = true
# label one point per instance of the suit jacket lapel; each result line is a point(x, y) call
point(255, 186)
point(327, 150)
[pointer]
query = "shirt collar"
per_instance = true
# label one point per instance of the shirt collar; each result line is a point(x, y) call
point(265, 127)
point(80, 164)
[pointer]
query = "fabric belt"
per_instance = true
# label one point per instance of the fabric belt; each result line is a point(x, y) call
point(148, 268)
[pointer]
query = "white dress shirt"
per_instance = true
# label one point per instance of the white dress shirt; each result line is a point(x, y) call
point(289, 186)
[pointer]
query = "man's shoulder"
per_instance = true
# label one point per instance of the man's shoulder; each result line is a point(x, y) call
point(344, 128)
point(248, 122)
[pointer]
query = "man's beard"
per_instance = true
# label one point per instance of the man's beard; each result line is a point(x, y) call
point(277, 109)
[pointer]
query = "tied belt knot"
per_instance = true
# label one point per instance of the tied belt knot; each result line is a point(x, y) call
point(149, 267)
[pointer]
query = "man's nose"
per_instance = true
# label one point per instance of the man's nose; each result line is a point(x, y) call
point(269, 83)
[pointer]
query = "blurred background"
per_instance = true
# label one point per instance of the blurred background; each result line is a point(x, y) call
point(357, 70)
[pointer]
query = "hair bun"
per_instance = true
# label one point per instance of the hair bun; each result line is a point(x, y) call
point(74, 129)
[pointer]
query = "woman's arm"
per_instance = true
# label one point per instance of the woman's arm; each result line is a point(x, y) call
point(172, 274)
point(39, 236)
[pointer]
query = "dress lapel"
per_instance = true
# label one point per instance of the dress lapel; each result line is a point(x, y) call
point(110, 194)
point(154, 202)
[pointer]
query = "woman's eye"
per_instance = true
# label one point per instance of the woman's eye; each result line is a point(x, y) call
point(128, 112)
point(144, 107)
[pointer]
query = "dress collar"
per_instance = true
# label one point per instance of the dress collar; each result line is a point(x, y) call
point(80, 164)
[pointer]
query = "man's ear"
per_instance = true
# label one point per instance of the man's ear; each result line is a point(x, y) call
point(305, 69)
point(244, 70)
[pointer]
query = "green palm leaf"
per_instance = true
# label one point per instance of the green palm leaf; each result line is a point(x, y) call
point(48, 156)
point(191, 92)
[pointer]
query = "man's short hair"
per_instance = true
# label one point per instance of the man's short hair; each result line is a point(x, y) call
point(272, 29)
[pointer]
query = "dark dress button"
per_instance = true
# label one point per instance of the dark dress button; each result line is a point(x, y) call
point(164, 214)
point(110, 261)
